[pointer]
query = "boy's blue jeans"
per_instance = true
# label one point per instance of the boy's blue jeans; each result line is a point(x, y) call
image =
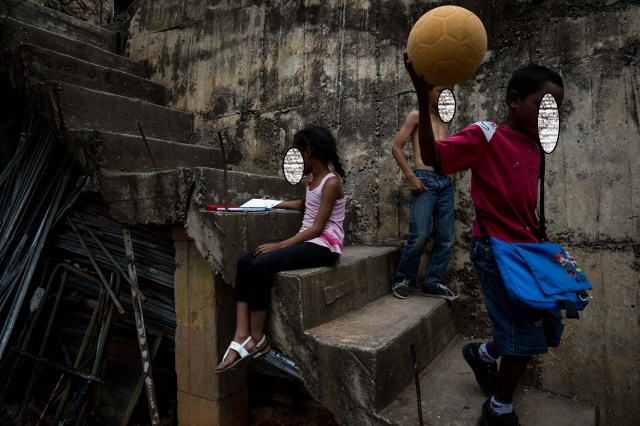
point(435, 203)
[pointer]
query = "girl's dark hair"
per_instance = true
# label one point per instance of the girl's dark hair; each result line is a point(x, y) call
point(530, 78)
point(322, 144)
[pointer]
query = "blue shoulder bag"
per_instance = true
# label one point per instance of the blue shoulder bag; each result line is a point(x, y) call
point(541, 275)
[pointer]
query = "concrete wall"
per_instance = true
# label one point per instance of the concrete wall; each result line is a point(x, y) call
point(261, 69)
point(98, 12)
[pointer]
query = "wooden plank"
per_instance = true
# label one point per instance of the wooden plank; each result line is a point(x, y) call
point(138, 389)
point(200, 391)
point(181, 294)
point(195, 410)
point(195, 386)
point(211, 332)
point(200, 283)
point(142, 333)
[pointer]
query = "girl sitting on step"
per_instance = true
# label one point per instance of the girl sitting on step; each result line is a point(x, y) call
point(318, 243)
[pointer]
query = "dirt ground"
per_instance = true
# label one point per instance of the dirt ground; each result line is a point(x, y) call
point(278, 400)
point(275, 415)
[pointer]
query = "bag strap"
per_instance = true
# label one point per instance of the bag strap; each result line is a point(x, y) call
point(481, 224)
point(541, 219)
point(570, 309)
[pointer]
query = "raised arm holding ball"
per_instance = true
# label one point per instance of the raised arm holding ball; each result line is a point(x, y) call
point(504, 159)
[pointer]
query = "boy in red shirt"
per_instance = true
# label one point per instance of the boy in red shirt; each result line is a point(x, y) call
point(504, 160)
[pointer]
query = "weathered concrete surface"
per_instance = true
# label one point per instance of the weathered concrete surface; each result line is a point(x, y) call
point(450, 396)
point(42, 64)
point(223, 237)
point(153, 197)
point(365, 356)
point(15, 32)
point(166, 196)
point(96, 150)
point(59, 22)
point(98, 12)
point(344, 336)
point(602, 347)
point(74, 107)
point(244, 186)
point(321, 295)
point(262, 69)
point(536, 408)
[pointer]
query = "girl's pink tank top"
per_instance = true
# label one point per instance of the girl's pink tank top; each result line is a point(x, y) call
point(332, 236)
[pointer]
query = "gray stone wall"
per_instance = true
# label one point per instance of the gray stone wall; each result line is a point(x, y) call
point(98, 12)
point(261, 69)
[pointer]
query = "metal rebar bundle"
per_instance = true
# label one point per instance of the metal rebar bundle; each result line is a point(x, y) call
point(35, 189)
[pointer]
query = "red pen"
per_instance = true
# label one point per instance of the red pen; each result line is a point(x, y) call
point(214, 207)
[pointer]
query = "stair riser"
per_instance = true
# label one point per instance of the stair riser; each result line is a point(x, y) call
point(46, 65)
point(163, 197)
point(58, 22)
point(14, 33)
point(129, 153)
point(223, 237)
point(75, 107)
point(381, 375)
point(325, 296)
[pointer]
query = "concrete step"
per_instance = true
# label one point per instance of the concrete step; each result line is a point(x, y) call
point(364, 357)
point(120, 152)
point(60, 23)
point(222, 237)
point(40, 64)
point(449, 393)
point(350, 337)
point(315, 296)
point(68, 106)
point(15, 32)
point(166, 196)
point(450, 396)
point(540, 408)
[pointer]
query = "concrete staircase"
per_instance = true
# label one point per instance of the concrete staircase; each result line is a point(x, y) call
point(352, 341)
point(350, 338)
point(98, 101)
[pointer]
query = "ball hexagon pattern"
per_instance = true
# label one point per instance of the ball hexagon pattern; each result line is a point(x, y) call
point(447, 45)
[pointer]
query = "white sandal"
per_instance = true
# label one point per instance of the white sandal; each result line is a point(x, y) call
point(240, 349)
point(261, 348)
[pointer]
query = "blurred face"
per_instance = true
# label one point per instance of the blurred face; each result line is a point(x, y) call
point(524, 112)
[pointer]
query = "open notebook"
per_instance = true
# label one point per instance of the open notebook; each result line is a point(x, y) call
point(253, 205)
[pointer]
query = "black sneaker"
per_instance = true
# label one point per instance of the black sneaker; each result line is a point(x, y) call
point(402, 289)
point(492, 419)
point(486, 372)
point(439, 290)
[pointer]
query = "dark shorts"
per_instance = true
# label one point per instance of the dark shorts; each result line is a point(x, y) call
point(516, 331)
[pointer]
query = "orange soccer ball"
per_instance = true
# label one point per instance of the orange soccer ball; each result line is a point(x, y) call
point(447, 45)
